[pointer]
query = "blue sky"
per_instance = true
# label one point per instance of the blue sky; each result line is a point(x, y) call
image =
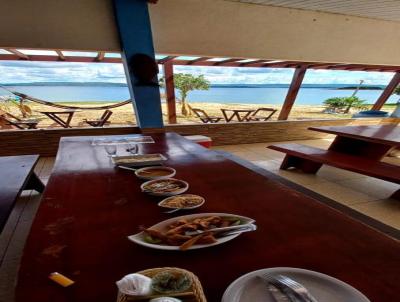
point(23, 72)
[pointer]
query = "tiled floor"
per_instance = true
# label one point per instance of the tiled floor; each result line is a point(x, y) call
point(362, 193)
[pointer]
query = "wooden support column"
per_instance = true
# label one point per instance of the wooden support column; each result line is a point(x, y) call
point(170, 91)
point(387, 92)
point(133, 22)
point(294, 88)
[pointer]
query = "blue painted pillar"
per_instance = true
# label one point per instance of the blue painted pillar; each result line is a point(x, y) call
point(133, 20)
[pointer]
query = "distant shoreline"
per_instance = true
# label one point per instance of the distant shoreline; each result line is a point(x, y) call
point(108, 84)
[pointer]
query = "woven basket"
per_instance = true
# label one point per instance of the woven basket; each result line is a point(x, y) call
point(196, 288)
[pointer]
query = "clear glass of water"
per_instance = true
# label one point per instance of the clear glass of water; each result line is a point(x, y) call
point(111, 150)
point(132, 148)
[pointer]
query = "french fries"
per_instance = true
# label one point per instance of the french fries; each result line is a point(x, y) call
point(176, 233)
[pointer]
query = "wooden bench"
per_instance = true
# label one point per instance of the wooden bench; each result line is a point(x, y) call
point(16, 174)
point(310, 159)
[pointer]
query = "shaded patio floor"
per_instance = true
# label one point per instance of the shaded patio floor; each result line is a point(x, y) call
point(365, 194)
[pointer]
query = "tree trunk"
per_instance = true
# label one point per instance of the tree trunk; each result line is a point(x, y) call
point(347, 110)
point(184, 108)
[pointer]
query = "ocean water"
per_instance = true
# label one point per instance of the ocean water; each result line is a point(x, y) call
point(307, 96)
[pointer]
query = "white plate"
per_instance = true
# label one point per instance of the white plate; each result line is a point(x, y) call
point(171, 174)
point(139, 160)
point(160, 204)
point(162, 226)
point(177, 192)
point(324, 288)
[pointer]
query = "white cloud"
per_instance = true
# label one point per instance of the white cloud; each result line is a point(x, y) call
point(24, 72)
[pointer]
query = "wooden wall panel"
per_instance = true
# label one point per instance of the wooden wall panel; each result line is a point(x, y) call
point(45, 142)
point(248, 133)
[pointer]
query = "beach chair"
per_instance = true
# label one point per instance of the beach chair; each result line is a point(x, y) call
point(101, 121)
point(256, 117)
point(13, 121)
point(204, 117)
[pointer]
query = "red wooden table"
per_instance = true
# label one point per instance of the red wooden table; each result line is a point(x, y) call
point(373, 142)
point(89, 208)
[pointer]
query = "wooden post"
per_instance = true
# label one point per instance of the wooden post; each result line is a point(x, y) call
point(170, 91)
point(387, 92)
point(134, 26)
point(294, 88)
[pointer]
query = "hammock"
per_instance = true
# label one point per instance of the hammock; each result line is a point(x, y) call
point(32, 99)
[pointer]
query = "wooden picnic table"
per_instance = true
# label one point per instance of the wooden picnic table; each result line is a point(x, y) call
point(16, 174)
point(89, 208)
point(373, 142)
point(358, 149)
point(241, 115)
point(56, 116)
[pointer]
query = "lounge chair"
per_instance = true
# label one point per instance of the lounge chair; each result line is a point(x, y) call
point(204, 117)
point(256, 117)
point(9, 119)
point(101, 121)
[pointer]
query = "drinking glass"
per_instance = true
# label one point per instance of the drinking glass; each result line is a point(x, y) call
point(111, 150)
point(132, 148)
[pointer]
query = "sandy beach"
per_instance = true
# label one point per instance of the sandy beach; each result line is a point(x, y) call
point(124, 115)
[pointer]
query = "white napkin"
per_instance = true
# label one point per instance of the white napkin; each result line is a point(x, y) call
point(165, 299)
point(135, 285)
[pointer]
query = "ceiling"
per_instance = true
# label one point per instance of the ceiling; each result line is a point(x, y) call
point(377, 9)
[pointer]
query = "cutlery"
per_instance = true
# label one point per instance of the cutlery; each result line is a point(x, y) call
point(234, 232)
point(277, 294)
point(297, 287)
point(173, 211)
point(249, 226)
point(295, 291)
point(285, 290)
point(126, 168)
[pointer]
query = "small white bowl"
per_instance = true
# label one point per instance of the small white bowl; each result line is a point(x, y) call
point(171, 174)
point(160, 204)
point(177, 192)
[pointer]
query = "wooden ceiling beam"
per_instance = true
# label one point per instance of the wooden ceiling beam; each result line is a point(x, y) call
point(46, 58)
point(60, 54)
point(322, 65)
point(166, 59)
point(221, 63)
point(8, 57)
point(19, 54)
point(193, 62)
point(251, 63)
point(100, 56)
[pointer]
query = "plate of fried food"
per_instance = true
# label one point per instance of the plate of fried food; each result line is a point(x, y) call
point(184, 202)
point(165, 187)
point(194, 231)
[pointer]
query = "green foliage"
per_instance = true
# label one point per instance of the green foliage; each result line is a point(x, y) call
point(344, 104)
point(397, 90)
point(186, 83)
